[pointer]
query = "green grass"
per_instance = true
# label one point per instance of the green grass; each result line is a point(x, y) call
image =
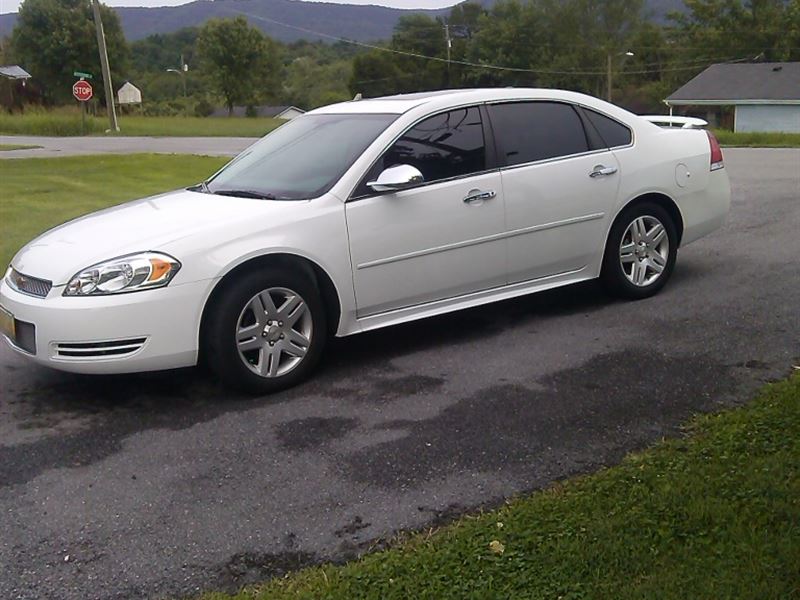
point(8, 147)
point(39, 193)
point(714, 515)
point(68, 123)
point(758, 140)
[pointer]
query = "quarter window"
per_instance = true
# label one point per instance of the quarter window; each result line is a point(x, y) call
point(531, 131)
point(447, 145)
point(613, 133)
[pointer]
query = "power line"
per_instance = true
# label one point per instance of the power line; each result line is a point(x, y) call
point(665, 69)
point(479, 65)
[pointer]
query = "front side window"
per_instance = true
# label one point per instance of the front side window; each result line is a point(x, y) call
point(442, 147)
point(531, 131)
point(302, 159)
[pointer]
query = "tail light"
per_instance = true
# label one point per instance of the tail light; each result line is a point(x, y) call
point(716, 152)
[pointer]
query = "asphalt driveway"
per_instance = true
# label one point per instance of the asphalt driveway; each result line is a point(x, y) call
point(163, 484)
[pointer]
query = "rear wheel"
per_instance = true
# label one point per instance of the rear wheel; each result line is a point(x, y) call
point(641, 251)
point(266, 331)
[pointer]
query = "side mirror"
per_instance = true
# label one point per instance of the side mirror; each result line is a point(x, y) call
point(398, 177)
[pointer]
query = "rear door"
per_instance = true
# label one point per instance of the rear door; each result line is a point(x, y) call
point(559, 185)
point(436, 241)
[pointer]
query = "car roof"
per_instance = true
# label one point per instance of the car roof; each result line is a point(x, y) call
point(401, 103)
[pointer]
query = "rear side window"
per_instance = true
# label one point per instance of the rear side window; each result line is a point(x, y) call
point(443, 146)
point(531, 131)
point(612, 132)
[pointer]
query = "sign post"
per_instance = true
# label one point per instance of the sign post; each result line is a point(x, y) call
point(82, 90)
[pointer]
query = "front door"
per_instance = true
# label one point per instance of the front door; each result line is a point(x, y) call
point(436, 241)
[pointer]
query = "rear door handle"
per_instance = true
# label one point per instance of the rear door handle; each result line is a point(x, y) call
point(601, 171)
point(479, 196)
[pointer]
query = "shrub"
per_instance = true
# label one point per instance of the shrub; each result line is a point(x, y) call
point(204, 108)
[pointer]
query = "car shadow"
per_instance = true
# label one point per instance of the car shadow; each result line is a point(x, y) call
point(178, 398)
point(462, 327)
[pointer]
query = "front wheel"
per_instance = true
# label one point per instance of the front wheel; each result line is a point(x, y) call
point(640, 253)
point(266, 331)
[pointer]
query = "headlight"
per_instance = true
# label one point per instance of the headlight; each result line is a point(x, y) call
point(130, 273)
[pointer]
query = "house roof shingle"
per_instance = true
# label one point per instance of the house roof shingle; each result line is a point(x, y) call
point(14, 72)
point(743, 83)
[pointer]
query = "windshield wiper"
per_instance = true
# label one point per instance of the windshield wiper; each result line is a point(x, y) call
point(246, 194)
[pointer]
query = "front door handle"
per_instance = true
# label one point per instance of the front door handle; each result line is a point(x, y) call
point(601, 171)
point(478, 196)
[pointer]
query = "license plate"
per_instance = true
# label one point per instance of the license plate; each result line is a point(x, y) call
point(7, 324)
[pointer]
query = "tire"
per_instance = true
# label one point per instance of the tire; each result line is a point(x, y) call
point(637, 249)
point(255, 321)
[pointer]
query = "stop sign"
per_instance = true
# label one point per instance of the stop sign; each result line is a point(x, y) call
point(82, 90)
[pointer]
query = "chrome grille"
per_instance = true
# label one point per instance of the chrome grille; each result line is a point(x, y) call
point(28, 285)
point(89, 350)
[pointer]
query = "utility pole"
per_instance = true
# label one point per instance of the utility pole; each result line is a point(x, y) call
point(609, 70)
point(449, 46)
point(101, 44)
point(184, 68)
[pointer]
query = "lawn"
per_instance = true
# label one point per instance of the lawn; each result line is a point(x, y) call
point(68, 123)
point(39, 193)
point(712, 515)
point(758, 140)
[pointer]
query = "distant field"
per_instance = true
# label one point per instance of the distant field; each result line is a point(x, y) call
point(39, 193)
point(758, 140)
point(68, 123)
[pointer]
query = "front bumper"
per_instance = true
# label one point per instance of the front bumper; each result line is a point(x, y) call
point(141, 331)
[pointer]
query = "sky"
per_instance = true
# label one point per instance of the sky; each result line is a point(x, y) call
point(7, 6)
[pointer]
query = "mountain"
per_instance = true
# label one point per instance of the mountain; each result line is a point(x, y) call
point(356, 22)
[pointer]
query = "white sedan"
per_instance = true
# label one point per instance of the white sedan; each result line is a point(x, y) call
point(361, 215)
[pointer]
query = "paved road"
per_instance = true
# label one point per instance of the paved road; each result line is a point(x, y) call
point(141, 486)
point(73, 146)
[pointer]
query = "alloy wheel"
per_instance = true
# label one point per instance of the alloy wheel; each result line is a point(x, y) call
point(273, 332)
point(644, 250)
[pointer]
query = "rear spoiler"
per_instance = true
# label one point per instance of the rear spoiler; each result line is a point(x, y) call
point(682, 122)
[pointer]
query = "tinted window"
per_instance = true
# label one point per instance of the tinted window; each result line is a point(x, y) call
point(613, 133)
point(447, 145)
point(529, 131)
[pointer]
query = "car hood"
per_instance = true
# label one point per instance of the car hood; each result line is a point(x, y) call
point(152, 223)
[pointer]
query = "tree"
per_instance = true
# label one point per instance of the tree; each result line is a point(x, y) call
point(382, 72)
point(376, 73)
point(241, 63)
point(512, 35)
point(153, 55)
point(732, 29)
point(420, 34)
point(164, 50)
point(309, 84)
point(54, 38)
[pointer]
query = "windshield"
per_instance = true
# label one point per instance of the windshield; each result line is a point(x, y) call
point(301, 159)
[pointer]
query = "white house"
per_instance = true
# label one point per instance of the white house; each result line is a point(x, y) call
point(764, 96)
point(129, 94)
